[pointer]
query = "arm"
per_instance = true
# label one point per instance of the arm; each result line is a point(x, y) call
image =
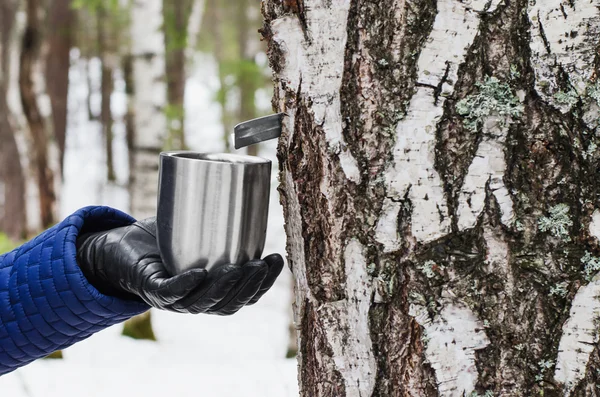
point(100, 267)
point(46, 303)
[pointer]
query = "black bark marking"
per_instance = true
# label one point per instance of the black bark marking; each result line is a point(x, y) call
point(298, 8)
point(438, 89)
point(543, 34)
point(562, 9)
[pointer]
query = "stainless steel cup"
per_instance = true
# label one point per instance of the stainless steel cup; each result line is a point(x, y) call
point(212, 209)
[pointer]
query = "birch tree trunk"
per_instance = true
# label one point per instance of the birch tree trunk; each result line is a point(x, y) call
point(146, 122)
point(149, 99)
point(440, 180)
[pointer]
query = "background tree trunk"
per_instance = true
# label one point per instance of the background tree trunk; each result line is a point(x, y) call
point(440, 184)
point(29, 58)
point(109, 62)
point(149, 100)
point(60, 39)
point(127, 66)
point(12, 211)
point(146, 123)
point(194, 26)
point(176, 14)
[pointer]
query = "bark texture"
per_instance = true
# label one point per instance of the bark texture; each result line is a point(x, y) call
point(440, 184)
point(12, 210)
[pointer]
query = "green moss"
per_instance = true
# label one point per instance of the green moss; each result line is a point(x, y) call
point(558, 290)
point(416, 298)
point(569, 98)
point(544, 367)
point(514, 72)
point(591, 265)
point(57, 355)
point(427, 269)
point(291, 353)
point(6, 244)
point(593, 92)
point(139, 327)
point(591, 150)
point(494, 98)
point(558, 223)
point(430, 268)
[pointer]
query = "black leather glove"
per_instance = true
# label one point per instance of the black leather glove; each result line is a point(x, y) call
point(125, 262)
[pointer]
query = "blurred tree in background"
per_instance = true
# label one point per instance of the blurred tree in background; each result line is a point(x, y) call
point(146, 49)
point(30, 65)
point(12, 179)
point(61, 27)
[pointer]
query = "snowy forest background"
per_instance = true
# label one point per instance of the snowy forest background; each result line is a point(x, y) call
point(87, 89)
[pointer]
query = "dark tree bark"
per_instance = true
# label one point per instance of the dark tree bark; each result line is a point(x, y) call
point(12, 211)
point(29, 57)
point(90, 91)
point(127, 66)
point(60, 40)
point(440, 184)
point(108, 61)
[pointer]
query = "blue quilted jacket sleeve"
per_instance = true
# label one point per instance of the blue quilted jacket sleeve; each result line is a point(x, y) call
point(46, 303)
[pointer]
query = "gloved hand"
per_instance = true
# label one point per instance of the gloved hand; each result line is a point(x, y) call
point(125, 262)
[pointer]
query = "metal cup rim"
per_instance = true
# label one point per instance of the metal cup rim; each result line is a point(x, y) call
point(218, 158)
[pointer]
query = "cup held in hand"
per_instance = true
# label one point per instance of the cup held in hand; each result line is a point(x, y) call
point(212, 209)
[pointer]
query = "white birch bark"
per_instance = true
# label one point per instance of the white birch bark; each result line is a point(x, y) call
point(563, 37)
point(149, 99)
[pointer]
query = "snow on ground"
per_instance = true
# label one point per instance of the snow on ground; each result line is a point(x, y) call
point(200, 356)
